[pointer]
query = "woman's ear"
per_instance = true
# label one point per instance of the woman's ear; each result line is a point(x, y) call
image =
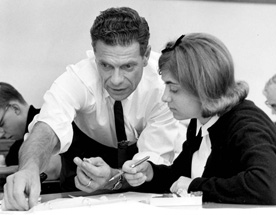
point(146, 56)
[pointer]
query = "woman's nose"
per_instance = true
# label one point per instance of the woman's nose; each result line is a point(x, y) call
point(166, 95)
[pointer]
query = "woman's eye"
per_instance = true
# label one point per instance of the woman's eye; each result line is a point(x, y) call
point(173, 90)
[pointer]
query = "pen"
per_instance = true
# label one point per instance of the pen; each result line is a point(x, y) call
point(140, 161)
point(132, 166)
point(116, 176)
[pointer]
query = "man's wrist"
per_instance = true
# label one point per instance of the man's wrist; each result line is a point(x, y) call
point(30, 166)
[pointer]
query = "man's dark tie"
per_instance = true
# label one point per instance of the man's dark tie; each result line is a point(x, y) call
point(119, 121)
point(120, 132)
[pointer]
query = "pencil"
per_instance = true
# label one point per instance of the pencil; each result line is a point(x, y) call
point(132, 166)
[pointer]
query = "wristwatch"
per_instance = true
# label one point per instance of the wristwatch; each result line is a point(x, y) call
point(118, 185)
point(43, 176)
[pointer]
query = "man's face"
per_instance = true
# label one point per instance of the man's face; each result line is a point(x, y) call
point(12, 125)
point(271, 97)
point(120, 67)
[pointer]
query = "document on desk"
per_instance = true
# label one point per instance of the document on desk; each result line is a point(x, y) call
point(123, 204)
point(167, 200)
point(122, 208)
point(73, 202)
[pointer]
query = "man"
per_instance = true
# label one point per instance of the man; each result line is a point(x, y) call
point(121, 71)
point(270, 93)
point(17, 114)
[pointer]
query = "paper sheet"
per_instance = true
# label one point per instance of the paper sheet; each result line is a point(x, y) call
point(172, 200)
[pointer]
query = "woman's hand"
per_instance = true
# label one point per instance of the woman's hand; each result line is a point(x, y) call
point(136, 176)
point(181, 185)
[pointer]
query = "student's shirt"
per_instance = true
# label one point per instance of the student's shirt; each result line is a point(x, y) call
point(79, 95)
point(201, 155)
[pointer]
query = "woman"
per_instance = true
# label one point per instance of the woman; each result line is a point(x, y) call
point(236, 159)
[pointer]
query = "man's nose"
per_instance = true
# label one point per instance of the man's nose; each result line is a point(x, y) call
point(117, 77)
point(4, 134)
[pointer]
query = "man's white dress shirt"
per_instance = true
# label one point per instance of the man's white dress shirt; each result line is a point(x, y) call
point(79, 95)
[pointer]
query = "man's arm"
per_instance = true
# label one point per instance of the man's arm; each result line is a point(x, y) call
point(38, 147)
point(22, 188)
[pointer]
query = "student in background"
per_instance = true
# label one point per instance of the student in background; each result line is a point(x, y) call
point(270, 94)
point(119, 72)
point(15, 116)
point(230, 152)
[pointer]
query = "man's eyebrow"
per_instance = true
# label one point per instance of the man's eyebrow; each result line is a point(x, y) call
point(131, 62)
point(102, 61)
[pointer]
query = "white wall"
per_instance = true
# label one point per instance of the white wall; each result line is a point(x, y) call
point(38, 38)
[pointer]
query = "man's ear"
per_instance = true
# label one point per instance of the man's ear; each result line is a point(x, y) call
point(16, 108)
point(147, 56)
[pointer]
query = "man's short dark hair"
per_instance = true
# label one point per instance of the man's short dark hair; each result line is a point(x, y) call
point(120, 26)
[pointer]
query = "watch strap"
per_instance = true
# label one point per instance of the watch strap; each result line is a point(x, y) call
point(118, 185)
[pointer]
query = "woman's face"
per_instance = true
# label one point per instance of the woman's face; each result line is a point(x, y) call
point(182, 104)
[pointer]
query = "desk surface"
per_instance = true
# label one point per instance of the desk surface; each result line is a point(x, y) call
point(131, 201)
point(141, 196)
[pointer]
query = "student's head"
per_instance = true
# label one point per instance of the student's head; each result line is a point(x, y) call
point(270, 93)
point(13, 110)
point(120, 42)
point(199, 74)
